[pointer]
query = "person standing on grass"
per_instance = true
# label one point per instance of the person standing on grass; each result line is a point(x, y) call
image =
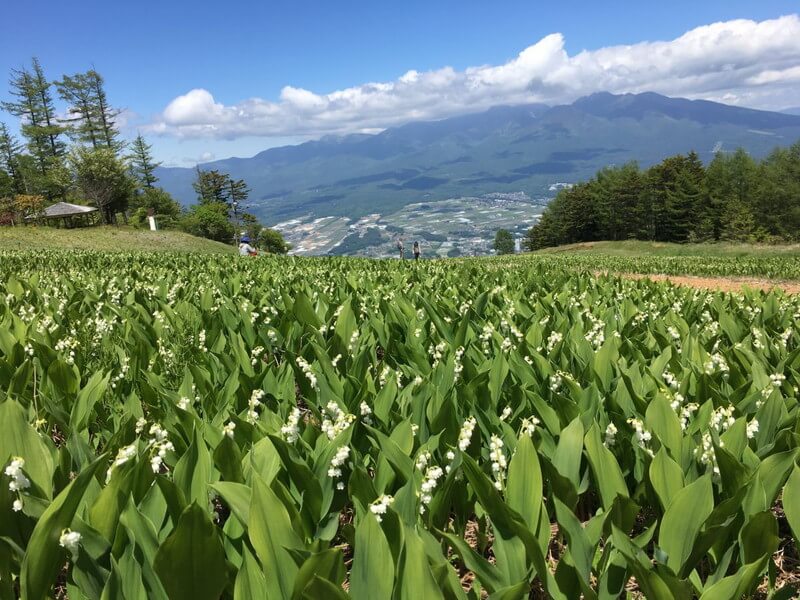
point(401, 249)
point(416, 251)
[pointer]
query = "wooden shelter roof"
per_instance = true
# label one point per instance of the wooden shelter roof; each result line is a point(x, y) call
point(65, 209)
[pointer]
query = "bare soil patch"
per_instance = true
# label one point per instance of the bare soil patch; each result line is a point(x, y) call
point(720, 284)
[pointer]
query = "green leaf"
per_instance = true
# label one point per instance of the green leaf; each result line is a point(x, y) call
point(489, 575)
point(327, 565)
point(524, 485)
point(237, 496)
point(105, 511)
point(250, 582)
point(666, 477)
point(791, 501)
point(193, 471)
point(497, 375)
point(304, 311)
point(43, 556)
point(271, 534)
point(568, 454)
point(663, 422)
point(509, 522)
point(322, 588)
point(737, 585)
point(89, 395)
point(191, 561)
point(19, 438)
point(607, 474)
point(684, 517)
point(581, 549)
point(512, 592)
point(651, 584)
point(759, 536)
point(415, 578)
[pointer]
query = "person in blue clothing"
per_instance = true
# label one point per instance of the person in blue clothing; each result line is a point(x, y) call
point(245, 249)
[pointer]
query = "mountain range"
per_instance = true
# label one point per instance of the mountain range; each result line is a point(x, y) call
point(507, 149)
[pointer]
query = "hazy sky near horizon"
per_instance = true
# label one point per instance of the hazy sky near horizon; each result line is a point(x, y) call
point(205, 80)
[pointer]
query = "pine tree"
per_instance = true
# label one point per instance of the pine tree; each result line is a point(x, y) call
point(142, 164)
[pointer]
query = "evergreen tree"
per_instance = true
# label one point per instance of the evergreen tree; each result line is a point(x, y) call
point(92, 120)
point(776, 193)
point(681, 201)
point(628, 191)
point(579, 214)
point(82, 123)
point(105, 114)
point(142, 163)
point(33, 104)
point(48, 123)
point(10, 151)
point(212, 186)
point(678, 200)
point(6, 187)
point(738, 224)
point(545, 233)
point(715, 196)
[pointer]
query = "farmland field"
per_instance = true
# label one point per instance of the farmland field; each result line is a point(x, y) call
point(190, 426)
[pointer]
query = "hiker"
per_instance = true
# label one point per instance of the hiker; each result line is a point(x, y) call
point(416, 251)
point(401, 249)
point(245, 249)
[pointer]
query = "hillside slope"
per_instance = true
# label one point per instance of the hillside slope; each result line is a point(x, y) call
point(109, 238)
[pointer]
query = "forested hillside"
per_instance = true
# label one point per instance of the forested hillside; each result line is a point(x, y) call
point(734, 198)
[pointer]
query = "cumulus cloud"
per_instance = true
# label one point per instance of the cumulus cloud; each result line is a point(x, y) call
point(739, 62)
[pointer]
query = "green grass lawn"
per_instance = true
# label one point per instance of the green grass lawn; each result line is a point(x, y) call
point(637, 248)
point(112, 238)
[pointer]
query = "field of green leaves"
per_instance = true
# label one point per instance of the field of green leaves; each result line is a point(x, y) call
point(204, 427)
point(780, 268)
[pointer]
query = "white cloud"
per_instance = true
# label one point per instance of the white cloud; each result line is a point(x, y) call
point(739, 62)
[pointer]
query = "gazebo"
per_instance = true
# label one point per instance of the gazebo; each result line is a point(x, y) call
point(71, 215)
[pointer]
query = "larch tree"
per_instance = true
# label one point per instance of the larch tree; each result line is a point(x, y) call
point(143, 166)
point(212, 186)
point(49, 124)
point(82, 122)
point(92, 121)
point(104, 113)
point(33, 103)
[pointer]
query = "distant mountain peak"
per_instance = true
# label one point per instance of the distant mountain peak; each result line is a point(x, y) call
point(639, 105)
point(503, 149)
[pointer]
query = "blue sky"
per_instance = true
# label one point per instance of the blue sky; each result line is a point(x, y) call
point(293, 57)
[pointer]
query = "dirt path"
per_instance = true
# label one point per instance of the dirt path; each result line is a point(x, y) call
point(722, 284)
